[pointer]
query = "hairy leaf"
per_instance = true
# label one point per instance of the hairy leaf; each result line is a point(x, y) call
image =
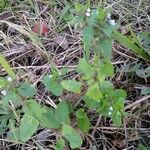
point(82, 120)
point(26, 90)
point(28, 127)
point(48, 119)
point(85, 68)
point(62, 112)
point(87, 38)
point(72, 136)
point(60, 144)
point(117, 119)
point(94, 92)
point(72, 86)
point(52, 85)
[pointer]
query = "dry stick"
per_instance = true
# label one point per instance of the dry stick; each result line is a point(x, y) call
point(115, 128)
point(137, 102)
point(97, 124)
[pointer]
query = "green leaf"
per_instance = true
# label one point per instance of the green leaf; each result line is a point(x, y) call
point(117, 119)
point(65, 14)
point(145, 40)
point(106, 69)
point(82, 120)
point(119, 103)
point(106, 47)
point(145, 90)
point(142, 147)
point(7, 67)
point(64, 71)
point(13, 97)
point(13, 134)
point(3, 82)
point(3, 4)
point(101, 14)
point(91, 103)
point(60, 144)
point(143, 73)
point(87, 38)
point(26, 90)
point(118, 96)
point(92, 20)
point(94, 92)
point(3, 124)
point(79, 7)
point(48, 119)
point(106, 87)
point(85, 68)
point(52, 85)
point(33, 108)
point(80, 113)
point(28, 127)
point(62, 112)
point(108, 29)
point(72, 136)
point(72, 86)
point(44, 115)
point(56, 73)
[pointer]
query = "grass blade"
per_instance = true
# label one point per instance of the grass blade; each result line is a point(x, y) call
point(7, 67)
point(127, 43)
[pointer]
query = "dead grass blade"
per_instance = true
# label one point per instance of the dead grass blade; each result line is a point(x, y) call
point(33, 37)
point(137, 102)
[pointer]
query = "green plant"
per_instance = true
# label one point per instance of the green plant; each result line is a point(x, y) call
point(22, 127)
point(22, 115)
point(142, 147)
point(3, 4)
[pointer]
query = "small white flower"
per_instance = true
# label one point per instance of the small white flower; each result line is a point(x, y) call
point(109, 16)
point(87, 14)
point(109, 113)
point(111, 108)
point(50, 76)
point(9, 79)
point(88, 10)
point(112, 22)
point(3, 92)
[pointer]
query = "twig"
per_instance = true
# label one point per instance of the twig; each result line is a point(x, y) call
point(137, 102)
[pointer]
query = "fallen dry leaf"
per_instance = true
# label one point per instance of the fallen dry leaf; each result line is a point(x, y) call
point(40, 27)
point(61, 41)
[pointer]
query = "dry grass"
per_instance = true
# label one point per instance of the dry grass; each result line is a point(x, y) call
point(29, 59)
